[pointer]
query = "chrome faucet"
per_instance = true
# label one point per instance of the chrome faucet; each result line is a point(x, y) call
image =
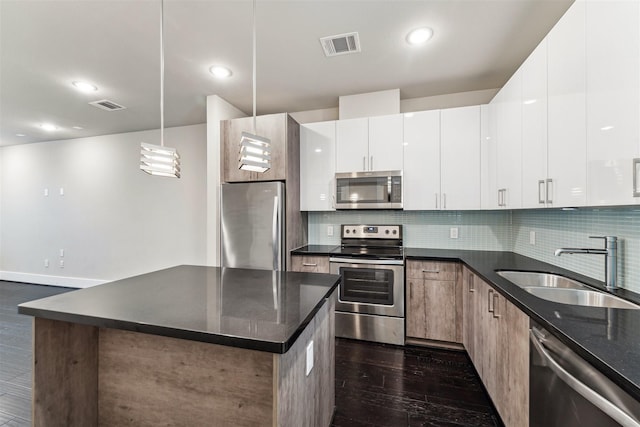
point(610, 253)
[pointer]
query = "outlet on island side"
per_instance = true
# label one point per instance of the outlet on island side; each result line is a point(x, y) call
point(453, 232)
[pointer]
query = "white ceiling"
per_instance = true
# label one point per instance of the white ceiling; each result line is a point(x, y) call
point(45, 45)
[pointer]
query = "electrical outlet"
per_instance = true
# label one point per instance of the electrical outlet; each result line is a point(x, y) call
point(61, 263)
point(61, 191)
point(46, 263)
point(453, 232)
point(61, 253)
point(45, 192)
point(309, 358)
point(532, 237)
point(329, 230)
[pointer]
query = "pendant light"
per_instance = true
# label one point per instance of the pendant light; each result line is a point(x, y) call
point(158, 159)
point(255, 151)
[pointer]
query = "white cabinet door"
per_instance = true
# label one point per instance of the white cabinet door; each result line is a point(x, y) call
point(352, 145)
point(385, 143)
point(613, 89)
point(534, 128)
point(460, 158)
point(567, 163)
point(421, 176)
point(509, 144)
point(488, 159)
point(317, 166)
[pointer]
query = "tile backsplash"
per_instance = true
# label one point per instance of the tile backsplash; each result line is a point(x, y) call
point(509, 231)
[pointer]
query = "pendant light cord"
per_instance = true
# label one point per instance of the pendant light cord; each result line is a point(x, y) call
point(254, 67)
point(162, 73)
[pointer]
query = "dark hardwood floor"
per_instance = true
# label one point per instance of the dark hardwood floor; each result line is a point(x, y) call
point(385, 385)
point(15, 351)
point(376, 384)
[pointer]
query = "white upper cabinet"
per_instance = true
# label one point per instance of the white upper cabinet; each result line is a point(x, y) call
point(317, 166)
point(567, 163)
point(613, 97)
point(488, 159)
point(385, 142)
point(352, 145)
point(508, 104)
point(534, 128)
point(421, 176)
point(460, 158)
point(369, 144)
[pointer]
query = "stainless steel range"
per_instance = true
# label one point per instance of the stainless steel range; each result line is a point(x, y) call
point(371, 298)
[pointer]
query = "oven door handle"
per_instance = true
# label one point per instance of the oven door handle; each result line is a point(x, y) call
point(579, 387)
point(367, 261)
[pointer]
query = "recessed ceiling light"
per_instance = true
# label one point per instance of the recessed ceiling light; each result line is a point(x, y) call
point(220, 72)
point(606, 128)
point(77, 127)
point(49, 127)
point(20, 134)
point(530, 101)
point(419, 35)
point(84, 86)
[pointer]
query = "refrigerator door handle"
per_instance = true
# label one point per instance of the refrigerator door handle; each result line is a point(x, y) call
point(275, 237)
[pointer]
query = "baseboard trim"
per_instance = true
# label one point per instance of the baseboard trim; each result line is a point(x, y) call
point(41, 279)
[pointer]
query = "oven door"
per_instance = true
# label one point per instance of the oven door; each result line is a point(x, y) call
point(370, 286)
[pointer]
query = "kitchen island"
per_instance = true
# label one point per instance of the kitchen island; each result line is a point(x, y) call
point(188, 345)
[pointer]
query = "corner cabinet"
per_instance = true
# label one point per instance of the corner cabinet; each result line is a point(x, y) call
point(284, 133)
point(317, 166)
point(369, 144)
point(310, 263)
point(434, 301)
point(496, 335)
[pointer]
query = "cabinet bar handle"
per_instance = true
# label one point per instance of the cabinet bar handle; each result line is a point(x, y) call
point(540, 190)
point(436, 200)
point(364, 163)
point(549, 191)
point(472, 284)
point(306, 264)
point(371, 164)
point(444, 200)
point(636, 177)
point(495, 311)
point(490, 301)
point(431, 271)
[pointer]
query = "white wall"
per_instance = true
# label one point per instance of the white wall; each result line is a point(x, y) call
point(113, 220)
point(217, 109)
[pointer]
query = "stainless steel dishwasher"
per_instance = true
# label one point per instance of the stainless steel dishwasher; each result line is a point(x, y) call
point(566, 391)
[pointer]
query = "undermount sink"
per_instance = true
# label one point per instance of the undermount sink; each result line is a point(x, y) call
point(563, 290)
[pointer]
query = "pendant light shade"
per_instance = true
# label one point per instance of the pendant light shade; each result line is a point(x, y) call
point(255, 151)
point(157, 159)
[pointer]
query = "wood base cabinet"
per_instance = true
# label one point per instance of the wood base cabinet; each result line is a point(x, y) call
point(310, 263)
point(434, 301)
point(496, 335)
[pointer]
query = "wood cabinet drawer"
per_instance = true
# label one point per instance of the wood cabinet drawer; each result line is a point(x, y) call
point(432, 270)
point(310, 263)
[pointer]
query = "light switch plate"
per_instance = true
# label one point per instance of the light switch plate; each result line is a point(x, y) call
point(329, 230)
point(532, 237)
point(309, 358)
point(453, 232)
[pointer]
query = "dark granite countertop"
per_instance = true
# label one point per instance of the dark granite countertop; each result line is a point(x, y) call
point(314, 250)
point(254, 309)
point(607, 338)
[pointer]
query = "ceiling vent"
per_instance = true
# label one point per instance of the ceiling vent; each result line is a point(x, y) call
point(105, 104)
point(340, 44)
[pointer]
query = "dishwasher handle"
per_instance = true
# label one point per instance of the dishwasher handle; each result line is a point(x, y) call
point(592, 396)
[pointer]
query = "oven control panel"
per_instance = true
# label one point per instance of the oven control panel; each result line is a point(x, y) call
point(372, 231)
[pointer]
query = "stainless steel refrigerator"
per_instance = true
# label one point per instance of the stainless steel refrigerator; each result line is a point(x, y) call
point(253, 225)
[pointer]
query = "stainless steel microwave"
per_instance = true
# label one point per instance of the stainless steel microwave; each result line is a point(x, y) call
point(369, 190)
